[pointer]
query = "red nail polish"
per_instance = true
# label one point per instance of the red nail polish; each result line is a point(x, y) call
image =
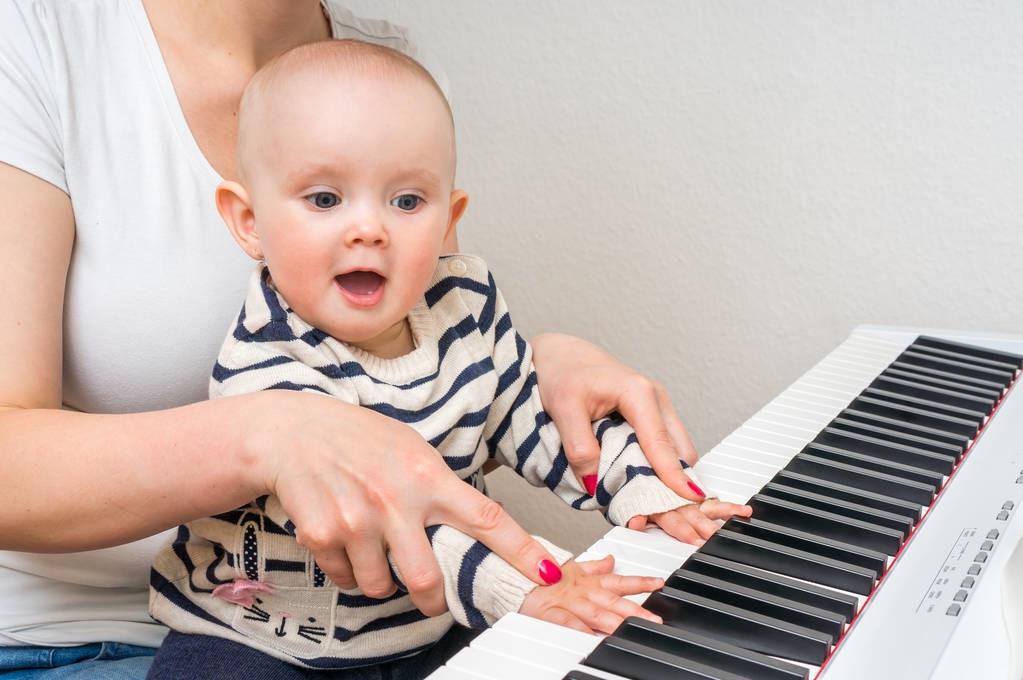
point(696, 489)
point(590, 482)
point(549, 572)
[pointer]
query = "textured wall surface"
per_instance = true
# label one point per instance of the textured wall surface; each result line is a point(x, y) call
point(718, 191)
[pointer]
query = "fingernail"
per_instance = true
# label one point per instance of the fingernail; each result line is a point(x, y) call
point(696, 489)
point(590, 482)
point(549, 572)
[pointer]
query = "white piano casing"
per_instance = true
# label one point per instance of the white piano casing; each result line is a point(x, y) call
point(904, 629)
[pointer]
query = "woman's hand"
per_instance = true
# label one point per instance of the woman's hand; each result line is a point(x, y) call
point(693, 523)
point(580, 383)
point(356, 483)
point(589, 597)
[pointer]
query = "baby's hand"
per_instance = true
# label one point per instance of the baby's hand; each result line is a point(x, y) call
point(692, 523)
point(589, 597)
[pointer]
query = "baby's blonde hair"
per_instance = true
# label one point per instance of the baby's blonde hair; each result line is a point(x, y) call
point(327, 58)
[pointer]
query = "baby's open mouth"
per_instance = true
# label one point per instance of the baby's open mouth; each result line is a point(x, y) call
point(361, 288)
point(360, 283)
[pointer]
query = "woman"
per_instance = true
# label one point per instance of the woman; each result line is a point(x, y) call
point(116, 124)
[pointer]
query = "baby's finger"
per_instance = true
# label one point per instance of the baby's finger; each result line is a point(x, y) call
point(605, 565)
point(637, 523)
point(716, 509)
point(704, 526)
point(677, 526)
point(620, 606)
point(567, 619)
point(594, 616)
point(630, 585)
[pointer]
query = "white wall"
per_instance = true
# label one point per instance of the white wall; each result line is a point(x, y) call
point(718, 191)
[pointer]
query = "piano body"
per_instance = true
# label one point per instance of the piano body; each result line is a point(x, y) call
point(885, 482)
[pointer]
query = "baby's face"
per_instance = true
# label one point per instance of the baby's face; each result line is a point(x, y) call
point(351, 191)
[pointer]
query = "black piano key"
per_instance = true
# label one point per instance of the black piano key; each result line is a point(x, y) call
point(856, 476)
point(991, 391)
point(967, 370)
point(972, 415)
point(579, 675)
point(639, 662)
point(869, 443)
point(811, 543)
point(718, 620)
point(708, 651)
point(753, 600)
point(899, 435)
point(911, 415)
point(1013, 360)
point(775, 584)
point(993, 385)
point(903, 523)
point(960, 441)
point(789, 561)
point(918, 390)
point(850, 494)
point(820, 522)
point(876, 463)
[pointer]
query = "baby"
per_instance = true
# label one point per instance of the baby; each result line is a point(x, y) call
point(347, 161)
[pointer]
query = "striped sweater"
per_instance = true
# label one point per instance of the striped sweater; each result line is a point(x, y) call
point(469, 389)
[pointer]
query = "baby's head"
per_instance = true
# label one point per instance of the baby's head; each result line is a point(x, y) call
point(346, 160)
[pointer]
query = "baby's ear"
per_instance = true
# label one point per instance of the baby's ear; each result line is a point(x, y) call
point(459, 202)
point(234, 208)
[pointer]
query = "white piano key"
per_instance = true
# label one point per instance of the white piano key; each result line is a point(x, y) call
point(776, 462)
point(566, 638)
point(817, 396)
point(723, 472)
point(652, 539)
point(753, 432)
point(762, 446)
point(846, 370)
point(835, 381)
point(808, 419)
point(718, 457)
point(782, 425)
point(826, 389)
point(810, 407)
point(623, 566)
point(495, 666)
point(538, 651)
point(775, 433)
point(654, 560)
point(723, 486)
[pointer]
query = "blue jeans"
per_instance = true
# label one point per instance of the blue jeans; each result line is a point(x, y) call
point(98, 661)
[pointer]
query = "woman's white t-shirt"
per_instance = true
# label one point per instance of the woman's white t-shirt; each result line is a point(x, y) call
point(86, 103)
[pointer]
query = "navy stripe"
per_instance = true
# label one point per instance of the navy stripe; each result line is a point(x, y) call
point(161, 585)
point(447, 284)
point(487, 313)
point(503, 326)
point(394, 621)
point(466, 577)
point(221, 373)
point(469, 374)
point(273, 303)
point(502, 428)
point(514, 370)
point(296, 387)
point(180, 548)
point(211, 568)
point(284, 565)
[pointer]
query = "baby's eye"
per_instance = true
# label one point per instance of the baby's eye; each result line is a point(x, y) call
point(323, 200)
point(406, 202)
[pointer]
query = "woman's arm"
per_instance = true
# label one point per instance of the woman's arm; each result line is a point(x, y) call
point(351, 479)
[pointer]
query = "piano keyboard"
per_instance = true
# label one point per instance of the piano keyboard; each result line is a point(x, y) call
point(884, 484)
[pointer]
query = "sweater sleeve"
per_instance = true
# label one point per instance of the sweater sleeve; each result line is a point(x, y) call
point(520, 434)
